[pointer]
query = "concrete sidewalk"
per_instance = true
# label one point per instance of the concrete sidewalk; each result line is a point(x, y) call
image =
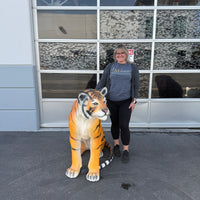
point(163, 165)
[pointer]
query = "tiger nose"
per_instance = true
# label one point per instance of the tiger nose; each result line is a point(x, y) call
point(105, 110)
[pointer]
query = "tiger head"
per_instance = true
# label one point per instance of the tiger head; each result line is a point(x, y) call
point(92, 104)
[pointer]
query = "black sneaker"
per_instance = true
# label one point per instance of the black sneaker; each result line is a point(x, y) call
point(125, 156)
point(116, 151)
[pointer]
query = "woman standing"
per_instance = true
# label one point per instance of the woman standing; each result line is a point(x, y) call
point(122, 81)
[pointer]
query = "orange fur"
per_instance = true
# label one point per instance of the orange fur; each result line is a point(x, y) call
point(86, 132)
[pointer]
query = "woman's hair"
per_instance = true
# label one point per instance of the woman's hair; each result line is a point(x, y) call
point(121, 47)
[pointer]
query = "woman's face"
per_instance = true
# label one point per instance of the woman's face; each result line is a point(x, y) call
point(121, 56)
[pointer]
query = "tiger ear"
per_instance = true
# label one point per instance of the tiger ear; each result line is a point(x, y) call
point(82, 96)
point(82, 100)
point(104, 91)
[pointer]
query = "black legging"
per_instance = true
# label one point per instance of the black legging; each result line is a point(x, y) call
point(120, 117)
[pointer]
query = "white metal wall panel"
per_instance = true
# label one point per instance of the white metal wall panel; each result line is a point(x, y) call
point(55, 114)
point(18, 120)
point(175, 114)
point(140, 113)
point(19, 110)
point(16, 76)
point(162, 114)
point(17, 98)
point(16, 34)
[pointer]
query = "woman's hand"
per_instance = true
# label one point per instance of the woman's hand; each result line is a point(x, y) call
point(132, 106)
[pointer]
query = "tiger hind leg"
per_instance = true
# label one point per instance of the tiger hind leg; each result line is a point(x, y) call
point(101, 154)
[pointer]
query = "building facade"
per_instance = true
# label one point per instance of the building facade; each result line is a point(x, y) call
point(53, 49)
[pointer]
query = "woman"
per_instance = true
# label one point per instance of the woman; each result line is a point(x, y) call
point(122, 81)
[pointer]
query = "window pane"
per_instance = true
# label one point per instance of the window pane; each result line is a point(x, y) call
point(66, 2)
point(178, 24)
point(70, 56)
point(177, 56)
point(142, 54)
point(176, 85)
point(144, 86)
point(127, 2)
point(178, 2)
point(128, 24)
point(67, 24)
point(66, 85)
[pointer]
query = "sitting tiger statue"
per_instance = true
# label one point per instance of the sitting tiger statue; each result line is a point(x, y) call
point(86, 132)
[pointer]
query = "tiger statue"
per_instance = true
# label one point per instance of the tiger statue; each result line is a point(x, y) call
point(86, 132)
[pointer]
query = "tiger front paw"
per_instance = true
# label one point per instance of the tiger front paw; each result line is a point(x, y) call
point(72, 173)
point(92, 176)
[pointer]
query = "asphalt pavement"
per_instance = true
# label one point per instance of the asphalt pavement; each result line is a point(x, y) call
point(164, 165)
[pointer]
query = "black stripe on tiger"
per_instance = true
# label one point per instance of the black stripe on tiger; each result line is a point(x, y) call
point(110, 157)
point(90, 111)
point(83, 105)
point(75, 149)
point(75, 139)
point(93, 94)
point(97, 136)
point(100, 145)
point(98, 126)
point(103, 138)
point(110, 149)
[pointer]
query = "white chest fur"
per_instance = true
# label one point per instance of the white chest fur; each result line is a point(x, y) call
point(83, 128)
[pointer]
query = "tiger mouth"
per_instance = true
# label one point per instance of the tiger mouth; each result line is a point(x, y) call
point(105, 114)
point(104, 117)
